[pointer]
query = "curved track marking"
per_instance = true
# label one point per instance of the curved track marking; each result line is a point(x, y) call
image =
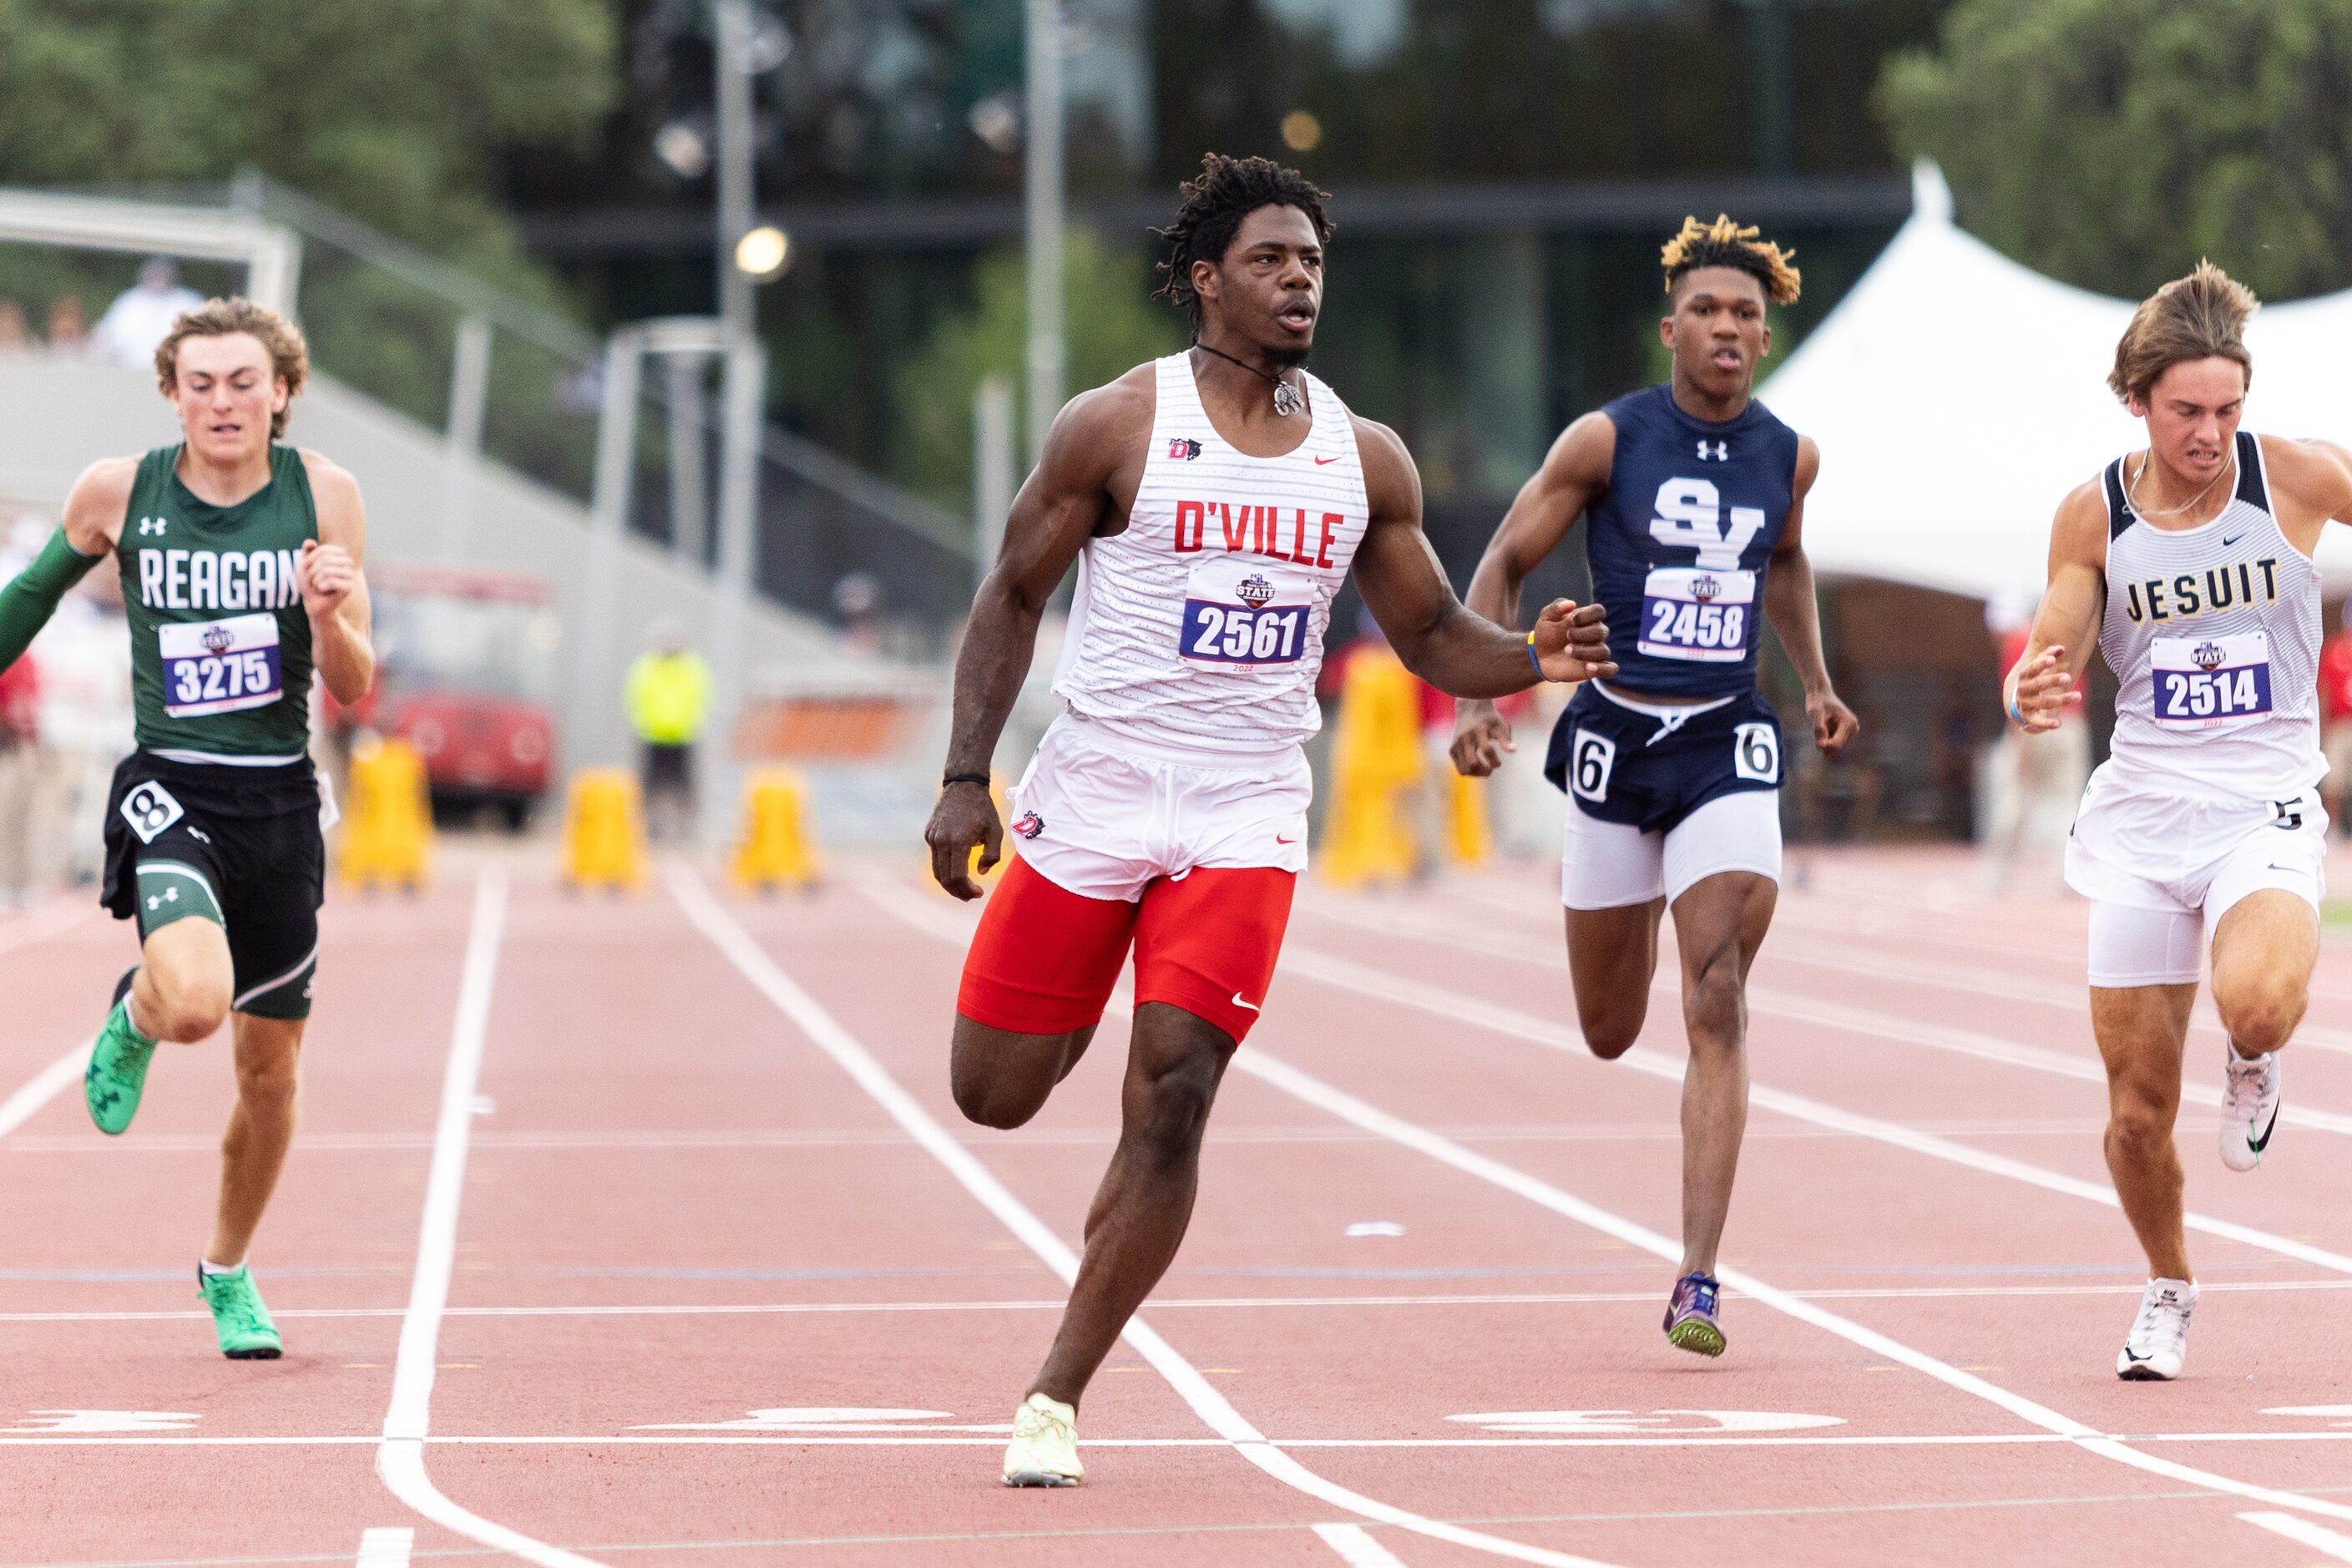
point(1459, 1007)
point(400, 1454)
point(828, 1036)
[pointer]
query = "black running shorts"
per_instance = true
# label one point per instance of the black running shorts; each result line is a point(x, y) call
point(241, 847)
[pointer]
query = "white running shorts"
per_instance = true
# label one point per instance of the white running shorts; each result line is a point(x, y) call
point(2161, 870)
point(1610, 865)
point(1101, 817)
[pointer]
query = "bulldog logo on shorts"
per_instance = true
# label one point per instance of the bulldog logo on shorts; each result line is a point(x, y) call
point(1028, 824)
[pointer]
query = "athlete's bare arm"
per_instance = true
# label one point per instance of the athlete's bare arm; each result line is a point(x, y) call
point(1084, 482)
point(1574, 471)
point(334, 584)
point(98, 503)
point(1795, 613)
point(2311, 486)
point(2047, 680)
point(1440, 640)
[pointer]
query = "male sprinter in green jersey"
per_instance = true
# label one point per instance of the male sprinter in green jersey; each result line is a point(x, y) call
point(240, 561)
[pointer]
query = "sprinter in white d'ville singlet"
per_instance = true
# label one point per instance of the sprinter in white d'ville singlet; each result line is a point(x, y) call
point(1214, 500)
point(2203, 832)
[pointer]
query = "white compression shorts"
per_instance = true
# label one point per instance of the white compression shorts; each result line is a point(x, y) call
point(2161, 870)
point(1610, 865)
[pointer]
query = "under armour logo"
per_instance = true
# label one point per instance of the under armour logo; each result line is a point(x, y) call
point(168, 896)
point(1722, 453)
point(150, 525)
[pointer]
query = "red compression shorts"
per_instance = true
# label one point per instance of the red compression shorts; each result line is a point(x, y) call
point(1045, 959)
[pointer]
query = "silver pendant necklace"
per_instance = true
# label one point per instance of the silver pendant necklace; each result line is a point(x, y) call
point(1285, 397)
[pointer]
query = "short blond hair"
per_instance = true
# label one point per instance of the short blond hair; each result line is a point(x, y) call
point(2201, 316)
point(290, 356)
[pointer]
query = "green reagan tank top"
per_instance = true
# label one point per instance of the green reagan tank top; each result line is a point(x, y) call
point(220, 645)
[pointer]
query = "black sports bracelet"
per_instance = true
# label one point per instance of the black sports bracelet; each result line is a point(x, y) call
point(980, 779)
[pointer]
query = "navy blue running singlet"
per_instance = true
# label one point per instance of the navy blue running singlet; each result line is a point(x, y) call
point(1680, 539)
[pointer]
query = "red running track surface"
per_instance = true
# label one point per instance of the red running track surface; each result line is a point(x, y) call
point(728, 1281)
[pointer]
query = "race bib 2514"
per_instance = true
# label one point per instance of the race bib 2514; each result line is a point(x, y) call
point(2199, 682)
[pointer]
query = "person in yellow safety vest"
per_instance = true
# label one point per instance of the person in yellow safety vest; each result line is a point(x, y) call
point(667, 693)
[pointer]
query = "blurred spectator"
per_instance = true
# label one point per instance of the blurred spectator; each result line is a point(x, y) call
point(68, 327)
point(20, 736)
point(14, 335)
point(2030, 783)
point(858, 610)
point(2336, 714)
point(141, 315)
point(667, 692)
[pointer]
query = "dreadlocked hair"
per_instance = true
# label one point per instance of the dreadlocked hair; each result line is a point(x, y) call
point(1723, 243)
point(1227, 191)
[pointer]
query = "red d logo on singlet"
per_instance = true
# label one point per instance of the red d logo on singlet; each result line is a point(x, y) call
point(1183, 449)
point(1028, 824)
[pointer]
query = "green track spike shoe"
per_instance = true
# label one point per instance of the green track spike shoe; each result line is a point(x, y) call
point(117, 1066)
point(239, 1320)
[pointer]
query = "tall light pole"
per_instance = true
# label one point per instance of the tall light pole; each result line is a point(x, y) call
point(735, 200)
point(1043, 170)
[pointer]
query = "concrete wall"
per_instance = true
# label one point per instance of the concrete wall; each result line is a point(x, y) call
point(63, 413)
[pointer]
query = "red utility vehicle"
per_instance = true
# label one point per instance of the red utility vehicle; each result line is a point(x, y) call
point(466, 674)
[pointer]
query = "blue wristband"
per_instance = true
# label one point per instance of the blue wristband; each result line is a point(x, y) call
point(1535, 658)
point(2015, 717)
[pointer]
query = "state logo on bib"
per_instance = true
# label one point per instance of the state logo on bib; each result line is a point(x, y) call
point(1242, 609)
point(220, 667)
point(2199, 683)
point(1693, 613)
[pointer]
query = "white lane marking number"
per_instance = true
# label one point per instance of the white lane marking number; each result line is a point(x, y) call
point(1618, 1423)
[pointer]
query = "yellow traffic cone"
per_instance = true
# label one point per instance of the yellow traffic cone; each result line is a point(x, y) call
point(387, 835)
point(779, 847)
point(604, 831)
point(1375, 757)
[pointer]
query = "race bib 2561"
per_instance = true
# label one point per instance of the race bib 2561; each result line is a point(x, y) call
point(1243, 610)
point(2199, 682)
point(1691, 613)
point(220, 667)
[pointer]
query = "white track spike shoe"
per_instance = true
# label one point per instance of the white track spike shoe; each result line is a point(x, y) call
point(2158, 1342)
point(1045, 1447)
point(2249, 1107)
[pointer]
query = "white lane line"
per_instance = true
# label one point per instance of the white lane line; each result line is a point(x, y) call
point(43, 1087)
point(1163, 1303)
point(796, 1439)
point(1476, 1011)
point(385, 1548)
point(2318, 1537)
point(1211, 1407)
point(1357, 1548)
point(1314, 1091)
point(400, 1455)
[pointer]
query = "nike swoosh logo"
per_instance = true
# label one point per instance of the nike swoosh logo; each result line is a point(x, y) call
point(1239, 1003)
point(2227, 542)
point(1278, 838)
point(2276, 866)
point(1321, 461)
point(2131, 1354)
point(2259, 1144)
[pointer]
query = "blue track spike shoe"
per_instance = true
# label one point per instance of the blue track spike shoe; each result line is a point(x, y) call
point(118, 1065)
point(1692, 1316)
point(239, 1320)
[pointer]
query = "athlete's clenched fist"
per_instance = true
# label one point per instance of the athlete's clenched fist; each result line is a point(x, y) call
point(328, 574)
point(1571, 641)
point(964, 820)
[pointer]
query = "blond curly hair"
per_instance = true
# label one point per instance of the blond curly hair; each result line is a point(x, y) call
point(290, 356)
point(1723, 243)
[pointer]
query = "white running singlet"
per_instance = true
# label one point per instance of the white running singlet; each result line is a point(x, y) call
point(2213, 635)
point(1199, 626)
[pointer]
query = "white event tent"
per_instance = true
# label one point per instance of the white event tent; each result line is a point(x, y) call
point(1957, 397)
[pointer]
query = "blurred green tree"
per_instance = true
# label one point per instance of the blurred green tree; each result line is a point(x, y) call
point(392, 110)
point(1116, 326)
point(2113, 142)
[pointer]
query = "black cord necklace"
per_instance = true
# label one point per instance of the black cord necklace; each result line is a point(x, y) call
point(1285, 397)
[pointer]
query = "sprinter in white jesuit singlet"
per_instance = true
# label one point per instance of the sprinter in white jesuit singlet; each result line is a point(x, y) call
point(2203, 832)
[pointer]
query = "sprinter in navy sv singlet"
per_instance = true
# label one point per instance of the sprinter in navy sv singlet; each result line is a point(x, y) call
point(1695, 494)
